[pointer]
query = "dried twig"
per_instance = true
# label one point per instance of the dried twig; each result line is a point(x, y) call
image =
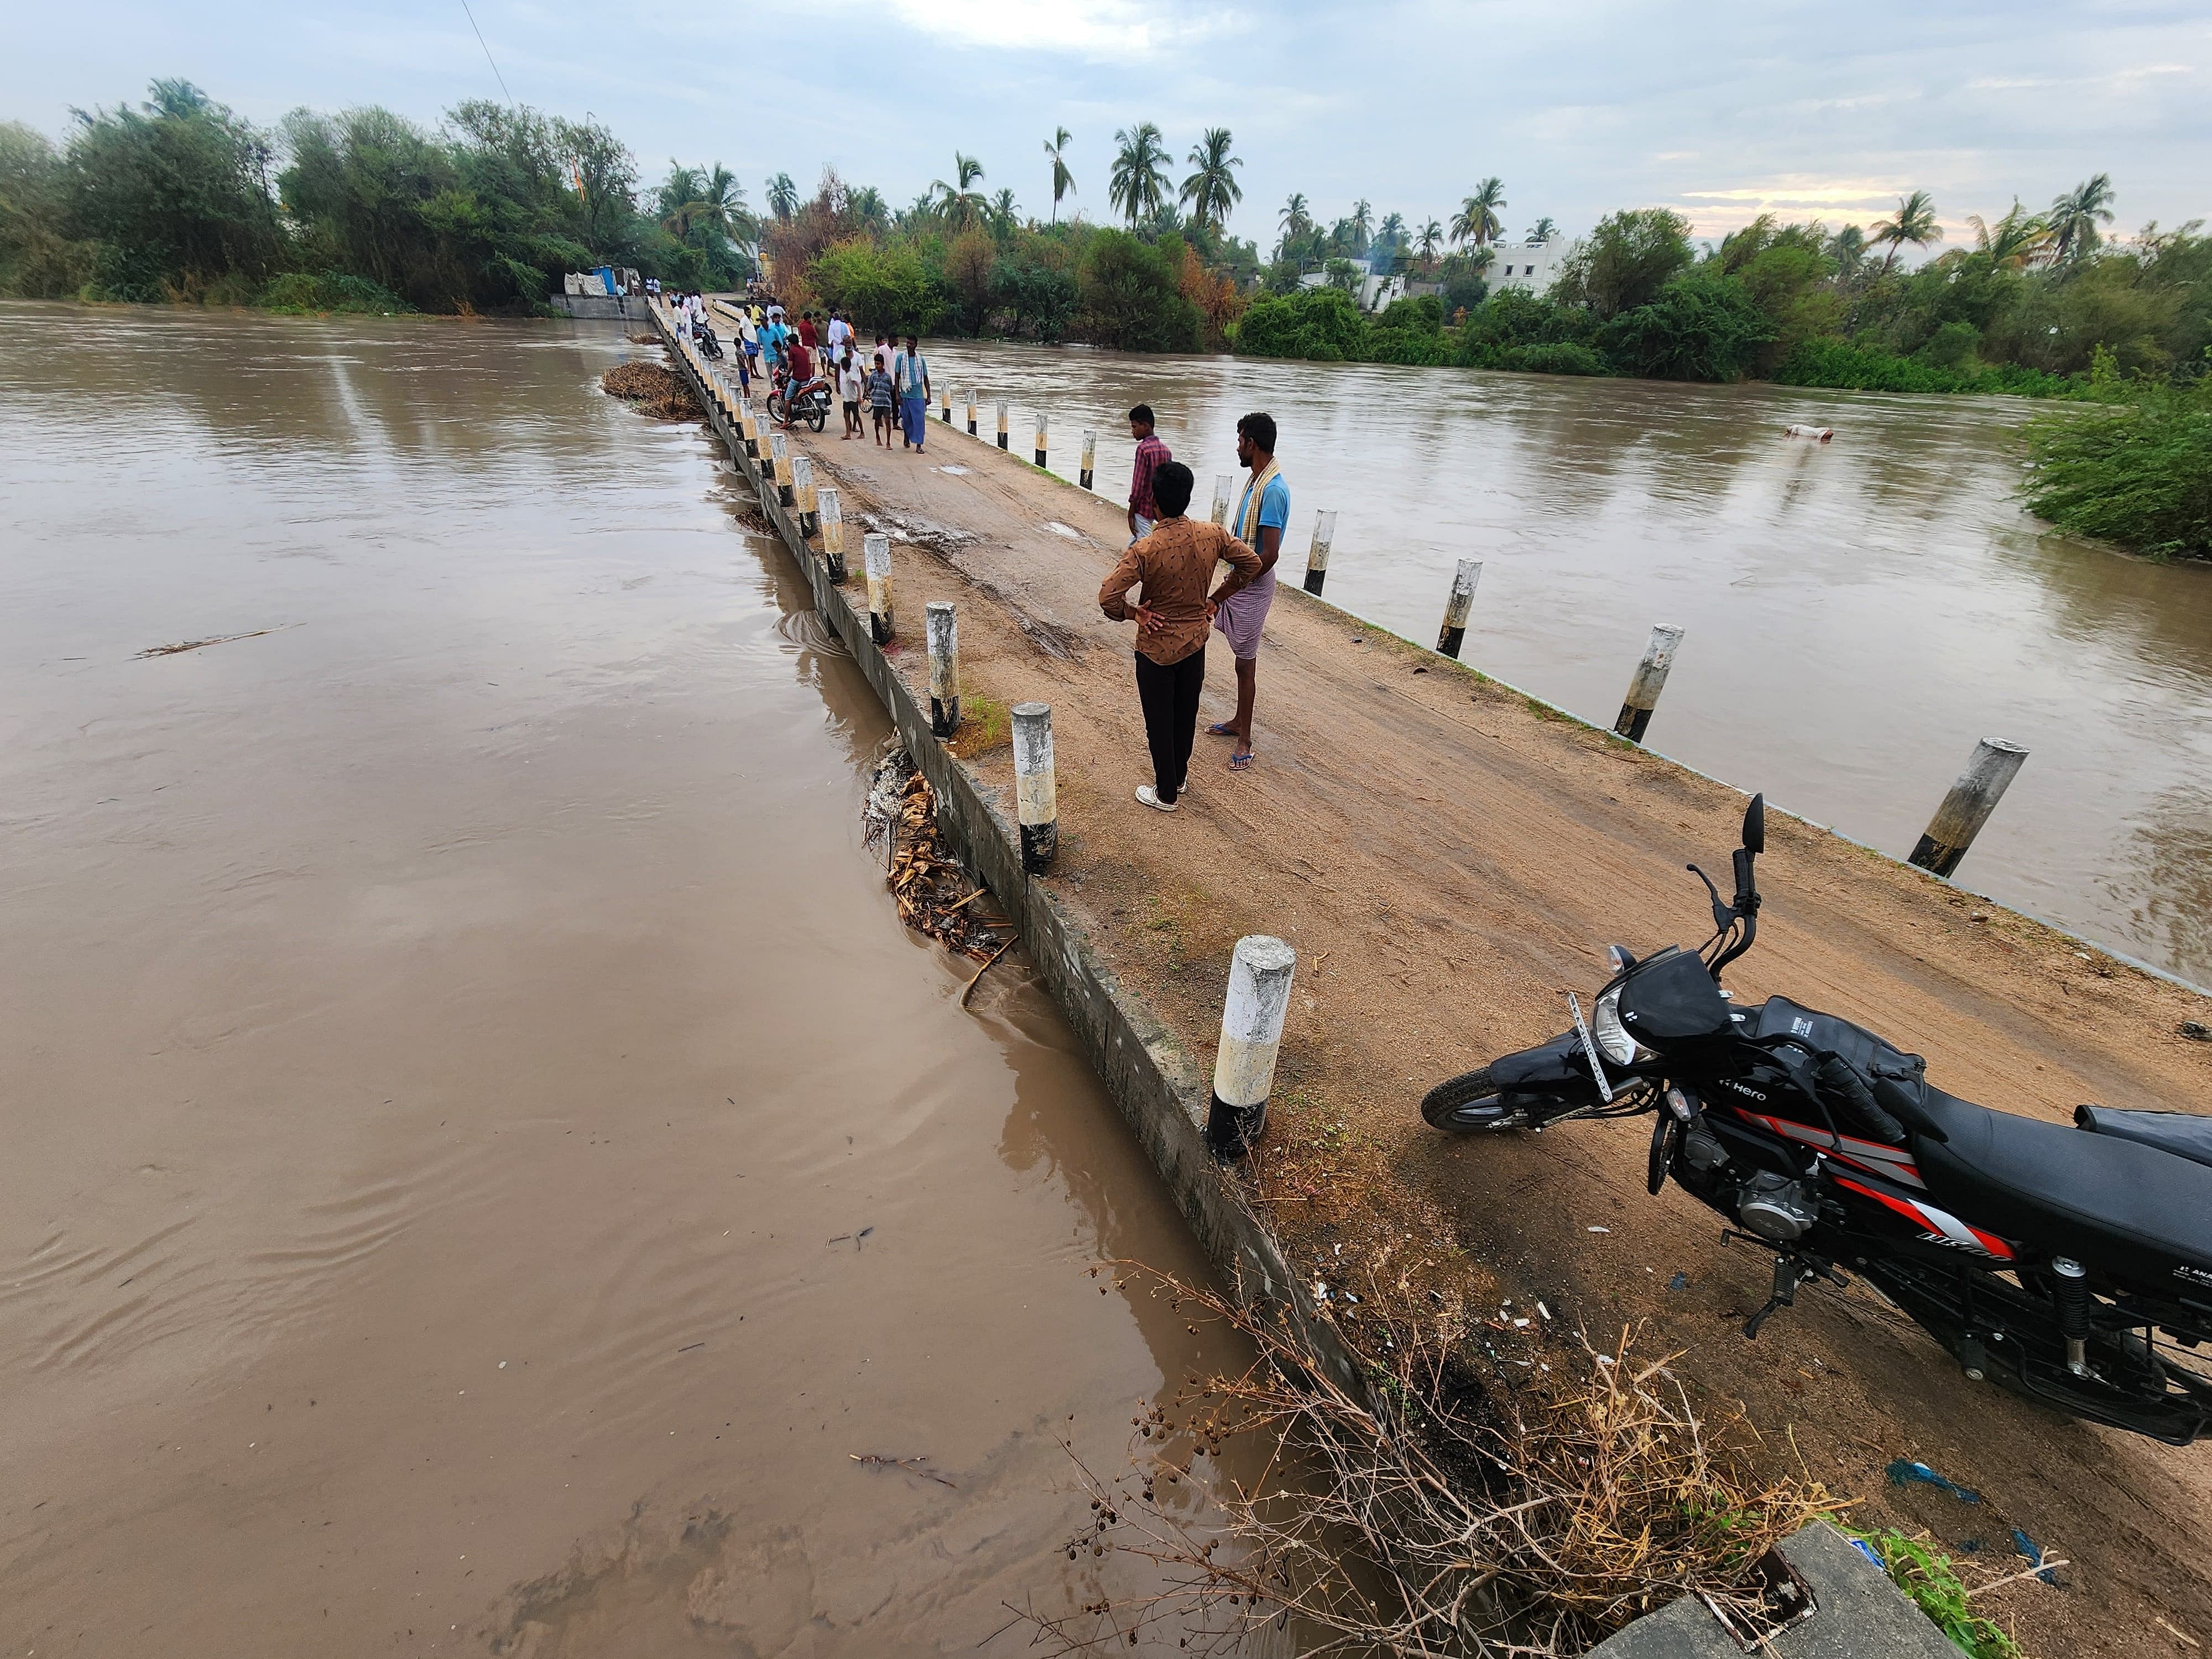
point(1434, 1512)
point(970, 989)
point(912, 1465)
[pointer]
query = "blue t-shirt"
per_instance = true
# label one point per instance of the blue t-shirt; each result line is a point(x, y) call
point(909, 371)
point(1274, 513)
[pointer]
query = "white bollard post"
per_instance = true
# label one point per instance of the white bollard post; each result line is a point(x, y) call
point(1317, 558)
point(1040, 437)
point(748, 428)
point(1090, 455)
point(1221, 481)
point(945, 404)
point(1036, 799)
point(1456, 607)
point(971, 411)
point(876, 555)
point(802, 491)
point(1635, 716)
point(833, 534)
point(779, 451)
point(1002, 423)
point(944, 631)
point(1252, 1017)
point(1995, 764)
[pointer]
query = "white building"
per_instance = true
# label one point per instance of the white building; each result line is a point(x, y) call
point(1531, 266)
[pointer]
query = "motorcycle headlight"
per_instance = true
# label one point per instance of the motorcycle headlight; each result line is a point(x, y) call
point(1611, 1035)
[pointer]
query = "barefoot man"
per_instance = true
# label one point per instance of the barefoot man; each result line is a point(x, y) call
point(1261, 518)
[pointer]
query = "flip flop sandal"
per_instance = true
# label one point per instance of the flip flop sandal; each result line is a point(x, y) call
point(1218, 730)
point(1238, 763)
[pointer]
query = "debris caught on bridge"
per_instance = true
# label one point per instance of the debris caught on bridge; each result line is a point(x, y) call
point(659, 392)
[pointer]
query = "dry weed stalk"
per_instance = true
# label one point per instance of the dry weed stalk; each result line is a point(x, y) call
point(1441, 1518)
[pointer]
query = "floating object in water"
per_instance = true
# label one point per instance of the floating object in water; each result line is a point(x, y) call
point(1819, 434)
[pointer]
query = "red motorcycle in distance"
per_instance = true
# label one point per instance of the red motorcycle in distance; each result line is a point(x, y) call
point(2070, 1266)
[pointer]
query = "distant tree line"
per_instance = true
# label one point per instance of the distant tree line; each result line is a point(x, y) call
point(180, 199)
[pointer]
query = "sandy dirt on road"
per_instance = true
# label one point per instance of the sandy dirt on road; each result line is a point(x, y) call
point(1449, 860)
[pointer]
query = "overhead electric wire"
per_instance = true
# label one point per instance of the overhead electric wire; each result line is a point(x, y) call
point(489, 59)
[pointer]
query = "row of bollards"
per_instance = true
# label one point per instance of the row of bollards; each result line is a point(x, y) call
point(1260, 970)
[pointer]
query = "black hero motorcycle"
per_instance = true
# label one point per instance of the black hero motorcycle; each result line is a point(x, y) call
point(2072, 1266)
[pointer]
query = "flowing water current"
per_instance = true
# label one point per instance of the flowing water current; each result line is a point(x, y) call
point(483, 1156)
point(1858, 613)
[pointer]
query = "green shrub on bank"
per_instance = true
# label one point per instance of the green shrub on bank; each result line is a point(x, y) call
point(1702, 327)
point(1931, 1582)
point(2139, 475)
point(301, 293)
point(1846, 366)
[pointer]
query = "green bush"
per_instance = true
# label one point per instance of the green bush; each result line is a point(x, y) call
point(1558, 357)
point(302, 292)
point(1840, 364)
point(1132, 298)
point(2140, 476)
point(1703, 326)
point(1320, 324)
point(882, 287)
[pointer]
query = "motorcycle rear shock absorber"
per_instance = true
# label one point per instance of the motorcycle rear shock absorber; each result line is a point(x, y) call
point(2071, 1282)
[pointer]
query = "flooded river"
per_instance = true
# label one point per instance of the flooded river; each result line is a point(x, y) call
point(1858, 613)
point(482, 1157)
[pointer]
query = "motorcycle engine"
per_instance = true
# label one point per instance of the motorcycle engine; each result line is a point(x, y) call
point(1774, 1206)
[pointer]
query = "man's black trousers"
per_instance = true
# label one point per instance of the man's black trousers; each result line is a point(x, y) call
point(1169, 697)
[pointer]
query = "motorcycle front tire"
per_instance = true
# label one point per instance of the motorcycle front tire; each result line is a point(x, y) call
point(821, 416)
point(1471, 1105)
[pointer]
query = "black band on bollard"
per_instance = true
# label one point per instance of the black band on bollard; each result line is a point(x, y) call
point(1231, 1131)
point(1930, 853)
point(943, 717)
point(1040, 845)
point(1448, 642)
point(1316, 578)
point(1634, 722)
point(1086, 480)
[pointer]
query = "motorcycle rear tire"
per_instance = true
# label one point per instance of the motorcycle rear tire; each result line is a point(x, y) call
point(1470, 1105)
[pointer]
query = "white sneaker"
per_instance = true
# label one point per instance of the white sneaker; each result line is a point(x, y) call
point(1147, 796)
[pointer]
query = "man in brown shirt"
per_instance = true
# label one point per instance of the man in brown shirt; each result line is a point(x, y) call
point(1172, 566)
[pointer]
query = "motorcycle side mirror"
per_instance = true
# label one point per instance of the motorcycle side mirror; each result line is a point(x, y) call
point(1755, 825)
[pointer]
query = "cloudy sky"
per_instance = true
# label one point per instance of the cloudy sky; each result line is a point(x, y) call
point(1720, 109)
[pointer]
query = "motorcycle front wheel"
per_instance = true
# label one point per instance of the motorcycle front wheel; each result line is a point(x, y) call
point(1471, 1105)
point(820, 416)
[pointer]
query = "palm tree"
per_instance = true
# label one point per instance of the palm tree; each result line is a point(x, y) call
point(1914, 223)
point(961, 204)
point(783, 195)
point(1543, 230)
point(1295, 218)
point(1138, 184)
point(1847, 247)
point(1363, 217)
point(1212, 189)
point(1429, 243)
point(680, 199)
point(2013, 240)
point(868, 208)
point(2075, 215)
point(1063, 181)
point(1477, 220)
point(1003, 214)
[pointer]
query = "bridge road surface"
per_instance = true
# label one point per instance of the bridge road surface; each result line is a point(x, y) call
point(1448, 862)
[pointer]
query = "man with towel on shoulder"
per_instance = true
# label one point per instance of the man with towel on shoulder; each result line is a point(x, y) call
point(1261, 518)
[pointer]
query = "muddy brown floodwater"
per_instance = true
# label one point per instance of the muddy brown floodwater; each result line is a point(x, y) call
point(1858, 613)
point(482, 1155)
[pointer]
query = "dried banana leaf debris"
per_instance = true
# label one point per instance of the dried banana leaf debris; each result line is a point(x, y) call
point(933, 891)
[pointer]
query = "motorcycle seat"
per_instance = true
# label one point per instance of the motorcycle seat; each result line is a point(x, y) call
point(2099, 1198)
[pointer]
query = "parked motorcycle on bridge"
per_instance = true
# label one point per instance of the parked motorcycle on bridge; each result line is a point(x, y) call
point(809, 405)
point(2071, 1266)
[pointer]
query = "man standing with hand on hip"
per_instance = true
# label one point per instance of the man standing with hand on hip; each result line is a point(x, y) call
point(1261, 518)
point(1172, 567)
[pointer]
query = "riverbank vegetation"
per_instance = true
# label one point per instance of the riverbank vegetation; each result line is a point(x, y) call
point(2025, 310)
point(178, 199)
